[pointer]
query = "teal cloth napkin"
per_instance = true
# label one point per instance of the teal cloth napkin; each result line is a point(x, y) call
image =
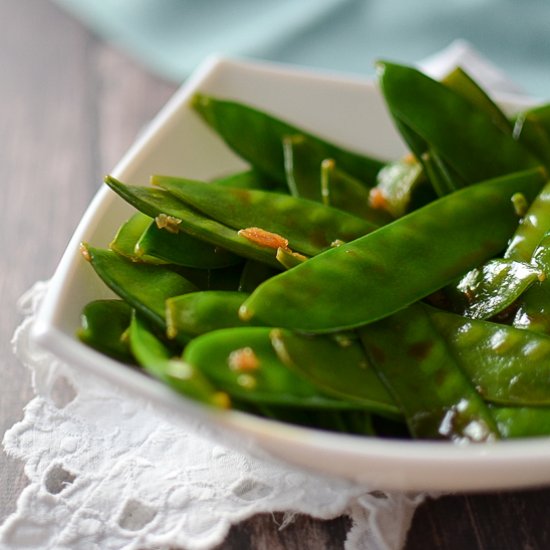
point(171, 37)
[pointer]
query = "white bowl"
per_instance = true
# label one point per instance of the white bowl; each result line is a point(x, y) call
point(349, 111)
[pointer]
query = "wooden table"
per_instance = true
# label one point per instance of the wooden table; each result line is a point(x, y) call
point(69, 107)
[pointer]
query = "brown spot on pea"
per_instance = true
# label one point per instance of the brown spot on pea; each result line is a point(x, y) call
point(420, 350)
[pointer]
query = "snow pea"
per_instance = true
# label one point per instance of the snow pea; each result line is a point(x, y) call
point(532, 128)
point(158, 360)
point(507, 365)
point(338, 365)
point(145, 287)
point(250, 179)
point(516, 422)
point(461, 133)
point(462, 83)
point(437, 399)
point(127, 237)
point(378, 274)
point(257, 137)
point(199, 312)
point(243, 363)
point(531, 229)
point(308, 226)
point(488, 290)
point(181, 249)
point(103, 326)
point(534, 307)
point(302, 168)
point(342, 191)
point(157, 202)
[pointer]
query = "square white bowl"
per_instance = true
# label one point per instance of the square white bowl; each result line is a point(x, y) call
point(351, 112)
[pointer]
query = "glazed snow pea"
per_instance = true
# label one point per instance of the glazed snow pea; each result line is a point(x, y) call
point(507, 365)
point(516, 422)
point(308, 226)
point(199, 312)
point(378, 274)
point(401, 187)
point(413, 360)
point(461, 133)
point(342, 191)
point(158, 203)
point(158, 360)
point(338, 365)
point(302, 168)
point(103, 326)
point(532, 228)
point(463, 84)
point(250, 179)
point(145, 287)
point(257, 137)
point(127, 237)
point(182, 249)
point(534, 306)
point(488, 290)
point(243, 363)
point(532, 128)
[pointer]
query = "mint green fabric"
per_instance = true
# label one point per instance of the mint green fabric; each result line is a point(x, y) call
point(171, 37)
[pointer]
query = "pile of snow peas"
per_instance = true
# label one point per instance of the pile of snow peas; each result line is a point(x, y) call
point(406, 298)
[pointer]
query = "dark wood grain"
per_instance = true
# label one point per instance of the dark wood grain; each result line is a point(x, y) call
point(69, 107)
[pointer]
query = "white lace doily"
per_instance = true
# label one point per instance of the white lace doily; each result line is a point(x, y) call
point(107, 471)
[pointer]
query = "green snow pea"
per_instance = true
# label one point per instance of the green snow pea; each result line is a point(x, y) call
point(534, 307)
point(338, 365)
point(461, 133)
point(396, 265)
point(522, 421)
point(531, 229)
point(127, 237)
point(243, 363)
point(199, 312)
point(159, 203)
point(145, 287)
point(257, 137)
point(308, 226)
point(488, 290)
point(532, 128)
point(103, 327)
point(342, 191)
point(181, 249)
point(302, 168)
point(413, 360)
point(250, 179)
point(463, 84)
point(158, 360)
point(508, 366)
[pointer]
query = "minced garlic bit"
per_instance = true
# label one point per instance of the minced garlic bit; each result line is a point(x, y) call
point(409, 158)
point(243, 360)
point(85, 252)
point(336, 243)
point(264, 238)
point(377, 199)
point(170, 223)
